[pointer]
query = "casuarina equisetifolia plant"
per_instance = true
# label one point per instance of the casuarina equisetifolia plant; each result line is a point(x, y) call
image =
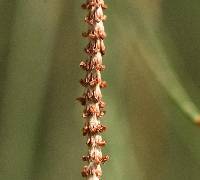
point(92, 97)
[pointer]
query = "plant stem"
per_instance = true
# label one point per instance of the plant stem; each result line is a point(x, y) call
point(92, 97)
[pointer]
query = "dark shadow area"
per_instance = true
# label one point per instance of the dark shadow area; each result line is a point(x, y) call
point(7, 19)
point(58, 131)
point(180, 20)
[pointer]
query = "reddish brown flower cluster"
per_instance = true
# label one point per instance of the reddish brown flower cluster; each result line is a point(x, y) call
point(92, 97)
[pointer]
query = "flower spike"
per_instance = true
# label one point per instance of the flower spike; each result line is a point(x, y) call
point(92, 97)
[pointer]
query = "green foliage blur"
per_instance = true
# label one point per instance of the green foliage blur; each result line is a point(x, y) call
point(153, 62)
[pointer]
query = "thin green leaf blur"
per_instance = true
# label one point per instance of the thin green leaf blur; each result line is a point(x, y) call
point(152, 60)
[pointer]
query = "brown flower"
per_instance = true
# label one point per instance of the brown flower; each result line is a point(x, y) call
point(92, 97)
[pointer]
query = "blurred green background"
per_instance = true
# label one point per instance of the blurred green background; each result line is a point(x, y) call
point(153, 52)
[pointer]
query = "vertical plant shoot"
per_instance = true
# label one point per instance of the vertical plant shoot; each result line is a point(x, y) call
point(92, 97)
